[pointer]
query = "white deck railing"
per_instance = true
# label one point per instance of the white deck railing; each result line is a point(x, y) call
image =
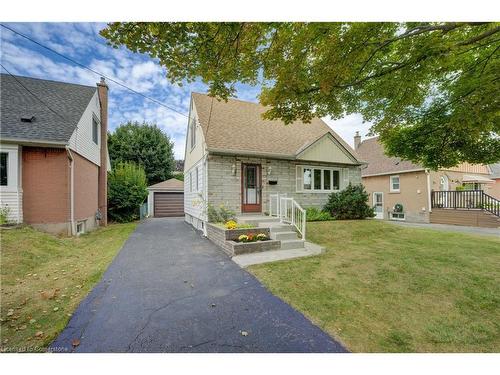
point(288, 211)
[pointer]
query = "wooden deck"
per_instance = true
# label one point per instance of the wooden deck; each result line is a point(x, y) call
point(472, 217)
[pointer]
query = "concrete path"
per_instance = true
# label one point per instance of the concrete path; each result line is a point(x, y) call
point(450, 228)
point(245, 260)
point(171, 290)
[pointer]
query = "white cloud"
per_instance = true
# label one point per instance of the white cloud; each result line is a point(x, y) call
point(347, 126)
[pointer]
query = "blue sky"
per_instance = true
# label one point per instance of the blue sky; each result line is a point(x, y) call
point(82, 42)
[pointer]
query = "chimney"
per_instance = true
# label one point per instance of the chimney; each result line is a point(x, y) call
point(357, 140)
point(102, 190)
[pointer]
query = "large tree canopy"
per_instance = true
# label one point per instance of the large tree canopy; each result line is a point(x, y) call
point(145, 145)
point(431, 89)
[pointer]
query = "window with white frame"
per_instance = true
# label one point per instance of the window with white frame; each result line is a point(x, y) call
point(192, 132)
point(397, 216)
point(95, 130)
point(394, 181)
point(318, 179)
point(191, 181)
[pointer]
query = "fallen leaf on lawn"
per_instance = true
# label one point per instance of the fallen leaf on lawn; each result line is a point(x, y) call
point(32, 321)
point(23, 327)
point(39, 334)
point(244, 333)
point(75, 343)
point(10, 312)
point(56, 308)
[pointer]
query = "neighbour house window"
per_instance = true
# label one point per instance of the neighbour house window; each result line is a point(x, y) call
point(95, 131)
point(319, 179)
point(4, 160)
point(397, 215)
point(192, 132)
point(394, 184)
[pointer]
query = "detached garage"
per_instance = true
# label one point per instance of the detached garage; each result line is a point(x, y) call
point(166, 199)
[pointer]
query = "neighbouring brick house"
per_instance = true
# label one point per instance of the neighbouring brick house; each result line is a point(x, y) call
point(54, 157)
point(236, 158)
point(401, 190)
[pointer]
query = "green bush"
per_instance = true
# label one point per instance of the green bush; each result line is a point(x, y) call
point(126, 191)
point(350, 203)
point(4, 215)
point(222, 215)
point(314, 214)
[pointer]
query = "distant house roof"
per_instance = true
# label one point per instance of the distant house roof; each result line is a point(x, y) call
point(172, 184)
point(237, 126)
point(372, 151)
point(68, 100)
point(495, 170)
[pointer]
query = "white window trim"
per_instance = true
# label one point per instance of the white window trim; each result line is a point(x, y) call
point(192, 134)
point(7, 168)
point(94, 118)
point(398, 218)
point(197, 173)
point(391, 189)
point(312, 168)
point(191, 181)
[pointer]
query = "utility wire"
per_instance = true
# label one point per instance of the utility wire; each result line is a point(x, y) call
point(33, 94)
point(92, 70)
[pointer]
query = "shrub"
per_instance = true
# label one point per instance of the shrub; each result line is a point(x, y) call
point(222, 215)
point(350, 203)
point(314, 214)
point(4, 215)
point(126, 191)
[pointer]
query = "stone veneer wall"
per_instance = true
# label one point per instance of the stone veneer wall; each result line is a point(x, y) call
point(225, 188)
point(225, 240)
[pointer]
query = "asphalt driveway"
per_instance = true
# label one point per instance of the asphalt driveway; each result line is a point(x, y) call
point(171, 290)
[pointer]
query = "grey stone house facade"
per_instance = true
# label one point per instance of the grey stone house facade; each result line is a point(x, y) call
point(237, 159)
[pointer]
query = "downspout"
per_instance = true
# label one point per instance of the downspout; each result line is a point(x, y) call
point(71, 190)
point(429, 202)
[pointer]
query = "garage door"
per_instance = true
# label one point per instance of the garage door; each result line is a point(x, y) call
point(169, 204)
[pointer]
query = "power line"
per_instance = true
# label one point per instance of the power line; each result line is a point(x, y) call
point(92, 70)
point(34, 95)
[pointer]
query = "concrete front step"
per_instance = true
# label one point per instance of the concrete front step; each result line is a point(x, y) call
point(256, 220)
point(292, 244)
point(283, 236)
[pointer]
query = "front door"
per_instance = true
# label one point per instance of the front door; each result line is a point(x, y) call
point(378, 205)
point(251, 188)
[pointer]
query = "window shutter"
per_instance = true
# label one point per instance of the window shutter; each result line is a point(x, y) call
point(299, 175)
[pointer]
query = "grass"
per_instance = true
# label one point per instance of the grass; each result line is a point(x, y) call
point(384, 288)
point(44, 278)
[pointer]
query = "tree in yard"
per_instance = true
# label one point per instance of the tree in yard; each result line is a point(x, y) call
point(431, 89)
point(126, 191)
point(145, 145)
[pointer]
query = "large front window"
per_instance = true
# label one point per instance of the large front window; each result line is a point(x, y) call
point(319, 179)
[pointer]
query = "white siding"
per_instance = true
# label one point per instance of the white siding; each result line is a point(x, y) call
point(193, 155)
point(328, 150)
point(11, 195)
point(81, 139)
point(195, 199)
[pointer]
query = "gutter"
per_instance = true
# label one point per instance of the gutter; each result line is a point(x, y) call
point(71, 190)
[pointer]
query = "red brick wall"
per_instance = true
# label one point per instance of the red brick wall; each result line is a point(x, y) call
point(86, 187)
point(46, 183)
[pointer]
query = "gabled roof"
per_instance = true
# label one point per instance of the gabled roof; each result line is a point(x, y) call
point(66, 99)
point(237, 126)
point(172, 184)
point(372, 151)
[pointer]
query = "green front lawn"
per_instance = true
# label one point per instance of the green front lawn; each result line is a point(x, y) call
point(384, 288)
point(44, 278)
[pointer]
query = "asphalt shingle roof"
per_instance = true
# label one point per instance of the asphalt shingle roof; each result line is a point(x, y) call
point(67, 99)
point(173, 184)
point(238, 126)
point(372, 151)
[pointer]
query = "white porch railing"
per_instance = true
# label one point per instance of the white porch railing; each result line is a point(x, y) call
point(288, 211)
point(274, 204)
